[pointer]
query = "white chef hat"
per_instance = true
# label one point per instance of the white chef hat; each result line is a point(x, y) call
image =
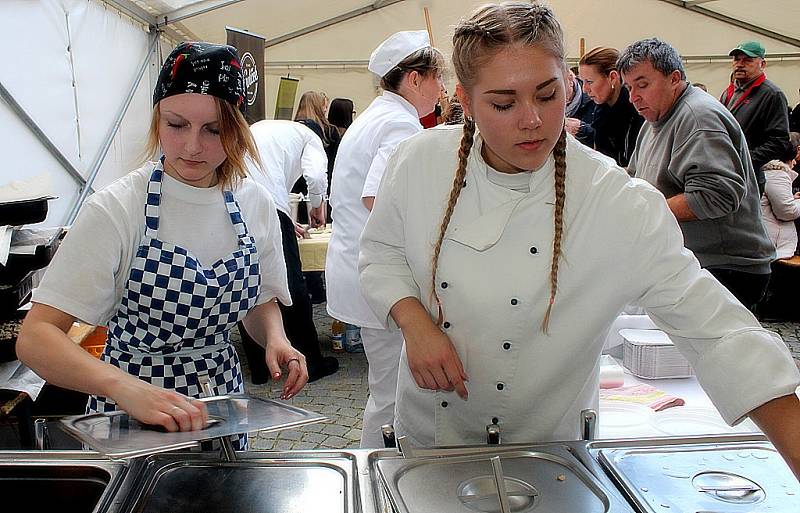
point(397, 47)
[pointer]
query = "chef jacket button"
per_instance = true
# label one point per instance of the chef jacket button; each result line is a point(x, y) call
point(444, 404)
point(514, 301)
point(534, 250)
point(495, 420)
point(444, 284)
point(446, 324)
point(506, 345)
point(500, 386)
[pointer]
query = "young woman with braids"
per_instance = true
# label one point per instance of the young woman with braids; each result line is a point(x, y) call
point(505, 249)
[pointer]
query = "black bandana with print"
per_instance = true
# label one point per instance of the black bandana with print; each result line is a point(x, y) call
point(203, 68)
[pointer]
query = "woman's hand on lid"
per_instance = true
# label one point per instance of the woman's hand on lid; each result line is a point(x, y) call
point(156, 406)
point(281, 355)
point(432, 358)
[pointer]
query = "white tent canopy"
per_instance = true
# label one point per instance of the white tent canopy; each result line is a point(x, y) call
point(79, 74)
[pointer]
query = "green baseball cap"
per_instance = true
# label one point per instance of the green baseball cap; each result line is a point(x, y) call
point(749, 48)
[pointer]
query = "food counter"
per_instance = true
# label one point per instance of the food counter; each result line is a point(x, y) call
point(736, 473)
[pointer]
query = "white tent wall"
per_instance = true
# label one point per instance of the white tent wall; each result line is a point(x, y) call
point(600, 22)
point(72, 66)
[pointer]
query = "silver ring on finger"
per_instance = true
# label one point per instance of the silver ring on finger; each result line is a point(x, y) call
point(293, 360)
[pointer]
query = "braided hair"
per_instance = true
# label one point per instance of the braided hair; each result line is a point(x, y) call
point(489, 29)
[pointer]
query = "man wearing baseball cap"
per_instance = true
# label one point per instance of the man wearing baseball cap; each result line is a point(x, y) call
point(758, 105)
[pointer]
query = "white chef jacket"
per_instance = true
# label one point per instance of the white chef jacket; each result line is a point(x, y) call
point(620, 245)
point(289, 149)
point(359, 166)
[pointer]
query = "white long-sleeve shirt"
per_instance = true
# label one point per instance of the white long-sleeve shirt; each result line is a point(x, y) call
point(289, 150)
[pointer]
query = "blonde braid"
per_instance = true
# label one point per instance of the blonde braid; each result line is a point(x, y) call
point(560, 156)
point(458, 183)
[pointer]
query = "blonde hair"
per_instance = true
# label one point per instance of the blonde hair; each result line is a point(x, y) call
point(312, 106)
point(489, 29)
point(234, 134)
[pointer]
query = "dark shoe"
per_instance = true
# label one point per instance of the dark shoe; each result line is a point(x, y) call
point(327, 366)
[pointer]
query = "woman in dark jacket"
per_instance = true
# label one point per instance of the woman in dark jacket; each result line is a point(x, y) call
point(341, 114)
point(616, 123)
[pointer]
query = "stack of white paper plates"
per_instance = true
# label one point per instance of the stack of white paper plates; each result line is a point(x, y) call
point(651, 354)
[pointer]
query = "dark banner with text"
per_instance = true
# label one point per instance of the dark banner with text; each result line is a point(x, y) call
point(251, 51)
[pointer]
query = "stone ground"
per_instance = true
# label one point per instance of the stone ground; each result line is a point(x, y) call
point(342, 396)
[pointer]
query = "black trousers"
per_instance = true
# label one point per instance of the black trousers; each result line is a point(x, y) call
point(298, 320)
point(748, 288)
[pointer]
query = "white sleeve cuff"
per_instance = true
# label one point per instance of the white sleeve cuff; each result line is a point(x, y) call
point(744, 370)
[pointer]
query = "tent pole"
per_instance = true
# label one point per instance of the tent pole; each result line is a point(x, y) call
point(101, 154)
point(378, 4)
point(734, 21)
point(6, 96)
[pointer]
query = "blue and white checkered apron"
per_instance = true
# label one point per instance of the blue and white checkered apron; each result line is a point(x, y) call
point(172, 327)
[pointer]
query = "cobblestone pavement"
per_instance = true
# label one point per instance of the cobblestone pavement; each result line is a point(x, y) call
point(342, 396)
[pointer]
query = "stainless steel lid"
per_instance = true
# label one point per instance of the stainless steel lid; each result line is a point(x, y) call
point(544, 479)
point(731, 477)
point(117, 435)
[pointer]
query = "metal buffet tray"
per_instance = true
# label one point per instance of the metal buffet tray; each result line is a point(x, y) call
point(708, 475)
point(296, 482)
point(116, 435)
point(541, 479)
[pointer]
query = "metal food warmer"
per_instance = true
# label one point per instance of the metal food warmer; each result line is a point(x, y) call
point(732, 473)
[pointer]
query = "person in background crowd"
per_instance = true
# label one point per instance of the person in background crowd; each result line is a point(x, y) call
point(779, 205)
point(794, 138)
point(616, 123)
point(504, 250)
point(758, 105)
point(794, 118)
point(580, 111)
point(455, 113)
point(341, 113)
point(311, 112)
point(289, 150)
point(170, 257)
point(700, 86)
point(410, 72)
point(693, 150)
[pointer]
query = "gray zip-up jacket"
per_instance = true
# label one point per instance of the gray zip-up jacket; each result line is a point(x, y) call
point(699, 149)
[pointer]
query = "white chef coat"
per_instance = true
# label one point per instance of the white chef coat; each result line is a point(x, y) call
point(357, 173)
point(289, 149)
point(620, 245)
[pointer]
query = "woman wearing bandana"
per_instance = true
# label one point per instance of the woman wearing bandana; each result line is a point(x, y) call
point(170, 257)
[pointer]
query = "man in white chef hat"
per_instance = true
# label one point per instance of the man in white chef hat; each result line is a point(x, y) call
point(410, 72)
